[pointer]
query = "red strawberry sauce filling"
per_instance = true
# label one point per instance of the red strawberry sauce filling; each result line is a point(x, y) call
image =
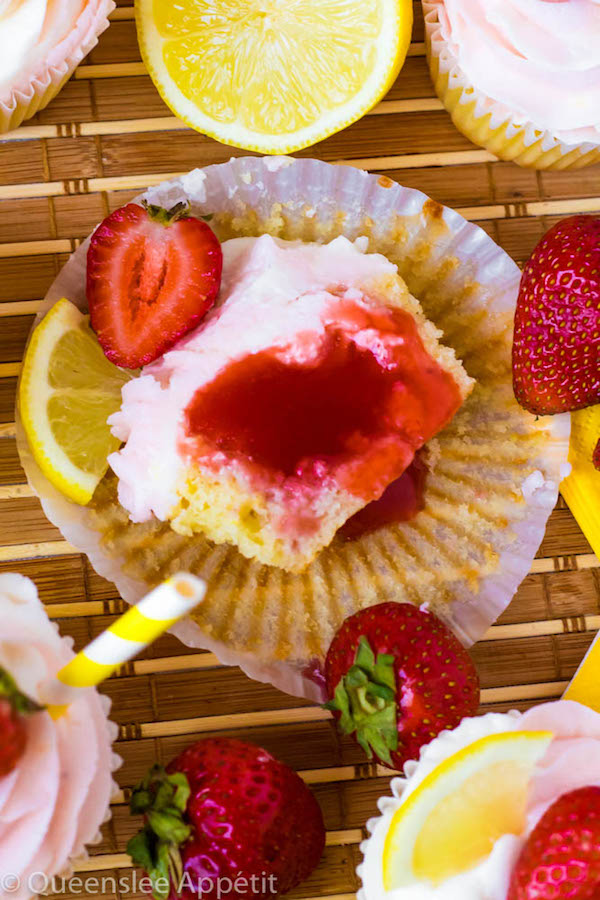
point(356, 412)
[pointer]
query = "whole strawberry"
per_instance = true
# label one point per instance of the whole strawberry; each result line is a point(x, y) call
point(397, 676)
point(152, 275)
point(14, 709)
point(561, 859)
point(226, 818)
point(556, 349)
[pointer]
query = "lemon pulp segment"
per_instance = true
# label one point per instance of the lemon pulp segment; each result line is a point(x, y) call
point(273, 75)
point(454, 817)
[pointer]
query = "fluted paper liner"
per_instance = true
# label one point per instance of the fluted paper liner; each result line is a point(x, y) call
point(494, 471)
point(488, 122)
point(34, 89)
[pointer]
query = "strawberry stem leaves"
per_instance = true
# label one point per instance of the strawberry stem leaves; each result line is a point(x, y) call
point(19, 701)
point(167, 217)
point(366, 700)
point(162, 799)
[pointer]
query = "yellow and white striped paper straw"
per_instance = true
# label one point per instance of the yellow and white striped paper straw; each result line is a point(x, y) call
point(585, 684)
point(128, 636)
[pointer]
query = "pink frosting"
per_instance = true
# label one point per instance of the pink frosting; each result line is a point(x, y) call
point(53, 804)
point(536, 58)
point(573, 758)
point(43, 42)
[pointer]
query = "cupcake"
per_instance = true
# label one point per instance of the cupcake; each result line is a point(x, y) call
point(327, 273)
point(294, 405)
point(503, 807)
point(55, 776)
point(521, 79)
point(41, 44)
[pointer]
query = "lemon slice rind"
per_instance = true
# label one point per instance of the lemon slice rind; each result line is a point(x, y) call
point(36, 393)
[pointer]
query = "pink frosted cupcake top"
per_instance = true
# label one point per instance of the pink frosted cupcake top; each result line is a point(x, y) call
point(539, 58)
point(572, 761)
point(55, 801)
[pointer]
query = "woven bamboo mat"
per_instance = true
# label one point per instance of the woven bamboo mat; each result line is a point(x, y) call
point(104, 138)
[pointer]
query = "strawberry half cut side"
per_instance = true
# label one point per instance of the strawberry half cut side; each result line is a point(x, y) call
point(152, 275)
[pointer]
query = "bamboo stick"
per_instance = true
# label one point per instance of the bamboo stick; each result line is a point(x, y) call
point(20, 307)
point(14, 552)
point(202, 724)
point(110, 70)
point(15, 491)
point(35, 248)
point(308, 714)
point(9, 369)
point(8, 430)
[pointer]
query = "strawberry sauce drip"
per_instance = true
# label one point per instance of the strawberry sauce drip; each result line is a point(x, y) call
point(400, 502)
point(355, 413)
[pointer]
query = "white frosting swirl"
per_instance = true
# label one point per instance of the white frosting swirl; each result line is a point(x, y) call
point(54, 802)
point(539, 59)
point(29, 31)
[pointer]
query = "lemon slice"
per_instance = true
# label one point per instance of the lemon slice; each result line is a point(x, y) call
point(273, 75)
point(454, 817)
point(67, 391)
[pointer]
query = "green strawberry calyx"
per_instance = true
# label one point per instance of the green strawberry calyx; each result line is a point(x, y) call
point(20, 702)
point(366, 700)
point(164, 216)
point(162, 800)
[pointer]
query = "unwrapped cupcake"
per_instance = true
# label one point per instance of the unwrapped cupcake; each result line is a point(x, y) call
point(520, 77)
point(55, 776)
point(41, 44)
point(309, 403)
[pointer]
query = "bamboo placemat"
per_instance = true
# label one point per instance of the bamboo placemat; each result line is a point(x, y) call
point(104, 138)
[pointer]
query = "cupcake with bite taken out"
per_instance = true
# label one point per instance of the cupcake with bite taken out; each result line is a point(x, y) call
point(41, 44)
point(302, 393)
point(55, 776)
point(520, 77)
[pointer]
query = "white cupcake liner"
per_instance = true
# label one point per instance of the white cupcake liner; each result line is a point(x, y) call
point(466, 555)
point(505, 133)
point(35, 89)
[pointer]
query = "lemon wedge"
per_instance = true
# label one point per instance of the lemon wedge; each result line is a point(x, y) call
point(67, 391)
point(273, 75)
point(453, 818)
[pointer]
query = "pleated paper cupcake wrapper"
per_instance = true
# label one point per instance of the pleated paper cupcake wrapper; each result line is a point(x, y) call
point(494, 472)
point(40, 86)
point(489, 123)
point(447, 743)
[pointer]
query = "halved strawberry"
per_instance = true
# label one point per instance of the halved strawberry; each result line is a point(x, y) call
point(152, 275)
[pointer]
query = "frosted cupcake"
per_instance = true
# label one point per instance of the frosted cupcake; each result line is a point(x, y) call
point(503, 807)
point(320, 264)
point(41, 44)
point(55, 776)
point(520, 77)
